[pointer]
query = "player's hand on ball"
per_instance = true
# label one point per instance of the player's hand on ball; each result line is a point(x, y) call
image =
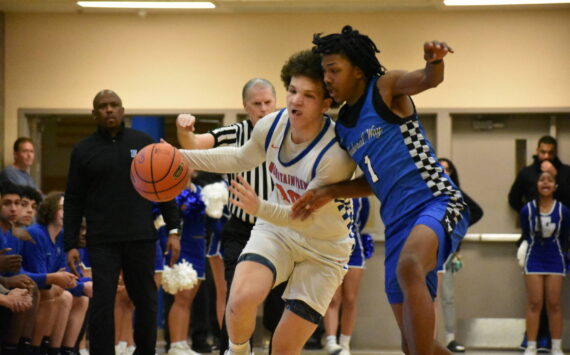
point(185, 122)
point(246, 197)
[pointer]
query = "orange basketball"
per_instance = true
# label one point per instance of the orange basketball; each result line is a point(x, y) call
point(159, 172)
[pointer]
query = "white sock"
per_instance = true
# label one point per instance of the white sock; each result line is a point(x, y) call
point(344, 341)
point(180, 343)
point(531, 345)
point(450, 337)
point(330, 340)
point(556, 344)
point(239, 349)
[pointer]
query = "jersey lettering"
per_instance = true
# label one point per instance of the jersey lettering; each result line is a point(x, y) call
point(289, 196)
point(373, 175)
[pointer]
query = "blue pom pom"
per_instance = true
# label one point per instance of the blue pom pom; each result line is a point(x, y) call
point(191, 204)
point(155, 210)
point(368, 245)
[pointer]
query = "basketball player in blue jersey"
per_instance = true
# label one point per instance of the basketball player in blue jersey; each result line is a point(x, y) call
point(423, 211)
point(545, 227)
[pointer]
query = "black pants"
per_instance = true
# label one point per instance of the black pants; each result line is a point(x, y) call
point(235, 235)
point(136, 260)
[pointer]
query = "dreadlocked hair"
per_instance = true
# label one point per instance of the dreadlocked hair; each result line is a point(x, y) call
point(358, 48)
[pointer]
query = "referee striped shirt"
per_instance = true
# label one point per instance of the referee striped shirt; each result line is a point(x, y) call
point(236, 135)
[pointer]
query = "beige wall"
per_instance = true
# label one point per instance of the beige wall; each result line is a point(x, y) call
point(503, 59)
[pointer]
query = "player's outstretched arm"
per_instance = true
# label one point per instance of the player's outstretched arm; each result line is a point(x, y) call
point(396, 82)
point(187, 138)
point(314, 199)
point(232, 159)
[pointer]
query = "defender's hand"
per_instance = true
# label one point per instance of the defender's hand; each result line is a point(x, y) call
point(436, 50)
point(311, 201)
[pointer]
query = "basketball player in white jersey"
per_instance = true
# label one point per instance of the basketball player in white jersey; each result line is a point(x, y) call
point(299, 146)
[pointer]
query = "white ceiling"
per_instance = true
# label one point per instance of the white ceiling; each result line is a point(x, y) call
point(254, 6)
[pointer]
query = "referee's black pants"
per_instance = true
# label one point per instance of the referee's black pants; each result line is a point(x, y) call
point(136, 259)
point(235, 235)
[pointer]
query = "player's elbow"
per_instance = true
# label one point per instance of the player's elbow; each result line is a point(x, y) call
point(434, 82)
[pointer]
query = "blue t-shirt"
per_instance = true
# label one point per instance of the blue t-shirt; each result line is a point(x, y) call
point(46, 256)
point(7, 240)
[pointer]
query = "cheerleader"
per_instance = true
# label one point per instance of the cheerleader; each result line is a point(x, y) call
point(544, 224)
point(193, 251)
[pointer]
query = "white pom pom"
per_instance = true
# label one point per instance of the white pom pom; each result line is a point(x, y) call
point(215, 197)
point(521, 253)
point(159, 222)
point(181, 276)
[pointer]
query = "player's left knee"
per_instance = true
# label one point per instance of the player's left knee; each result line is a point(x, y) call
point(304, 311)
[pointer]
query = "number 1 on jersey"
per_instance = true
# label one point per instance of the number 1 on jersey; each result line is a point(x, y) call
point(373, 175)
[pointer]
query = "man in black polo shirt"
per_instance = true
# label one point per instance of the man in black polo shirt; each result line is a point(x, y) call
point(120, 230)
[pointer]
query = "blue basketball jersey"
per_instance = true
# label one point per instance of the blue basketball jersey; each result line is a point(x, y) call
point(397, 159)
point(546, 234)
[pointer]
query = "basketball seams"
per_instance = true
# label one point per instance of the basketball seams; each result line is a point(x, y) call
point(172, 159)
point(137, 171)
point(152, 189)
point(165, 190)
point(152, 172)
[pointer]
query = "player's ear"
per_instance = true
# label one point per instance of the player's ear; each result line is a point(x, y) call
point(359, 73)
point(327, 102)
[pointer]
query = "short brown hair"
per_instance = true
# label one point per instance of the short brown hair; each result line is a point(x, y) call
point(49, 207)
point(304, 63)
point(21, 140)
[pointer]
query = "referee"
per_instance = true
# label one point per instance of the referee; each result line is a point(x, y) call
point(258, 97)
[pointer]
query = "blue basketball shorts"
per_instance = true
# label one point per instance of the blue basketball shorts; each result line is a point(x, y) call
point(433, 216)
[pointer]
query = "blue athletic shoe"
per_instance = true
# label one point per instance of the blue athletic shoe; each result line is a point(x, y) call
point(544, 344)
point(524, 342)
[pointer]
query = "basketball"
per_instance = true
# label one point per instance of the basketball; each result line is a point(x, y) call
point(159, 172)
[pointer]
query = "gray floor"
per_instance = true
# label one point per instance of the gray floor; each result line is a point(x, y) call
point(261, 351)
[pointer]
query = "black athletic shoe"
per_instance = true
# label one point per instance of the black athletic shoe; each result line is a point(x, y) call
point(201, 347)
point(313, 344)
point(455, 347)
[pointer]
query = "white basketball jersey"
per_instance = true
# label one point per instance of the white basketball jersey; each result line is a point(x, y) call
point(310, 166)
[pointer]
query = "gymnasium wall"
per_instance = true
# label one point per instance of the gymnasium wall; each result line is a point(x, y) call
point(515, 59)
